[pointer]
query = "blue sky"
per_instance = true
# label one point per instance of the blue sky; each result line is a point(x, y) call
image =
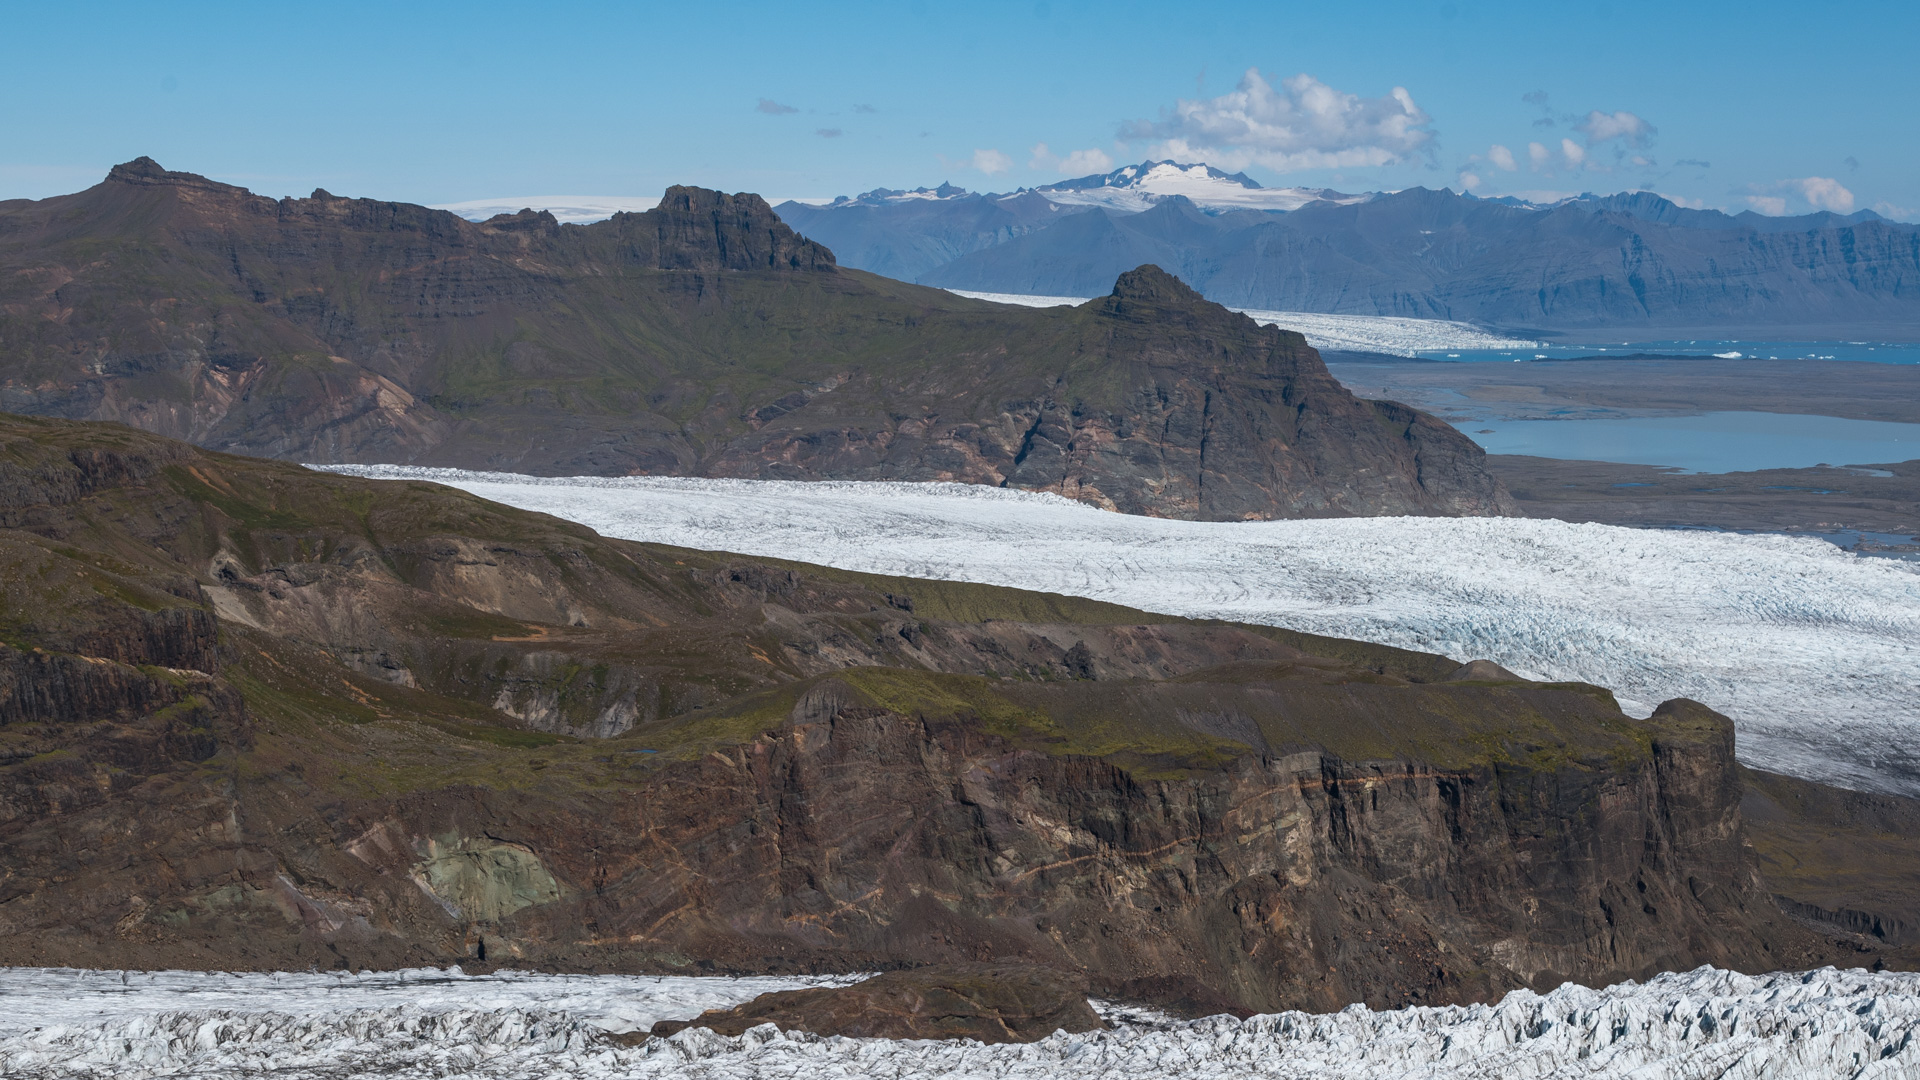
point(1774, 106)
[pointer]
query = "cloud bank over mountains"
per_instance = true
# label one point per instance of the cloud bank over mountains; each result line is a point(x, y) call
point(1816, 192)
point(1076, 163)
point(1301, 124)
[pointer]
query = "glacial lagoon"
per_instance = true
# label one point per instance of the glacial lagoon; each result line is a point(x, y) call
point(1711, 442)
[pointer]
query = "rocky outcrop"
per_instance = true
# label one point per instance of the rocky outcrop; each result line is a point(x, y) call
point(1193, 411)
point(703, 337)
point(252, 716)
point(984, 1002)
point(1273, 880)
point(698, 229)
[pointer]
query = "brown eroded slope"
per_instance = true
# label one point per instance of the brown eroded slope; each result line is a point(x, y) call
point(701, 338)
point(256, 716)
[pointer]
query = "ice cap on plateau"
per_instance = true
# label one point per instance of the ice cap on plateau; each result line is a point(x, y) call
point(569, 209)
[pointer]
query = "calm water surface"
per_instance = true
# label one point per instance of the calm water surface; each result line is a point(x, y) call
point(1880, 352)
point(1714, 442)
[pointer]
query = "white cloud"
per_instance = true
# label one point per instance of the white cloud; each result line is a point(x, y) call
point(1683, 201)
point(1599, 127)
point(1087, 161)
point(1816, 192)
point(1076, 163)
point(991, 161)
point(1898, 213)
point(1569, 156)
point(1469, 181)
point(1823, 193)
point(1501, 157)
point(1302, 124)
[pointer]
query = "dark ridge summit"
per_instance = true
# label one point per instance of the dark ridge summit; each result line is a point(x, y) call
point(1151, 285)
point(701, 338)
point(698, 229)
point(254, 716)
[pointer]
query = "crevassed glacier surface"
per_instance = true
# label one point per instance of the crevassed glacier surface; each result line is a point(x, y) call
point(1705, 1023)
point(1814, 652)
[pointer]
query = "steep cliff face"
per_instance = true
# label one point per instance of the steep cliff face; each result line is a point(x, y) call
point(1295, 880)
point(703, 337)
point(254, 716)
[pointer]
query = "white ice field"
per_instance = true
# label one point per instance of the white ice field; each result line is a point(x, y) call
point(1390, 334)
point(1814, 652)
point(110, 1025)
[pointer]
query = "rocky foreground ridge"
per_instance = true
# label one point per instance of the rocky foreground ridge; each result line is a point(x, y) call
point(701, 338)
point(253, 716)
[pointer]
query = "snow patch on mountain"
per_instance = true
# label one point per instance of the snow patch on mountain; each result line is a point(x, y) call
point(1393, 335)
point(1688, 1026)
point(882, 196)
point(1813, 651)
point(1135, 188)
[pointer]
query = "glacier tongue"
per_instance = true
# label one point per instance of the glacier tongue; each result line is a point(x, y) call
point(1389, 334)
point(1698, 1024)
point(1814, 652)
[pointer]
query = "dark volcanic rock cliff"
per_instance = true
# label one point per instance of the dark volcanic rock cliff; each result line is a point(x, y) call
point(254, 716)
point(703, 337)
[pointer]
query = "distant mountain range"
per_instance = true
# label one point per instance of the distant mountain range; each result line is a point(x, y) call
point(1632, 261)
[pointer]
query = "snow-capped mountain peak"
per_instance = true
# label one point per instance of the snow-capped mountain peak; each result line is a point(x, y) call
point(1133, 188)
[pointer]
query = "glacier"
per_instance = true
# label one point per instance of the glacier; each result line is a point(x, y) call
point(1813, 651)
point(1390, 334)
point(568, 209)
point(1706, 1023)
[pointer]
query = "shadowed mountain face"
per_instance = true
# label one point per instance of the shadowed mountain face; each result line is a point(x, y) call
point(703, 337)
point(1624, 261)
point(253, 716)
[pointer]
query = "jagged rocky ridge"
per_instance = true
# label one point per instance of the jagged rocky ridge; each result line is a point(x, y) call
point(258, 717)
point(700, 338)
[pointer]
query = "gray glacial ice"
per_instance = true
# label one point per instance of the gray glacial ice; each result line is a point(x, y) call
point(1685, 1026)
